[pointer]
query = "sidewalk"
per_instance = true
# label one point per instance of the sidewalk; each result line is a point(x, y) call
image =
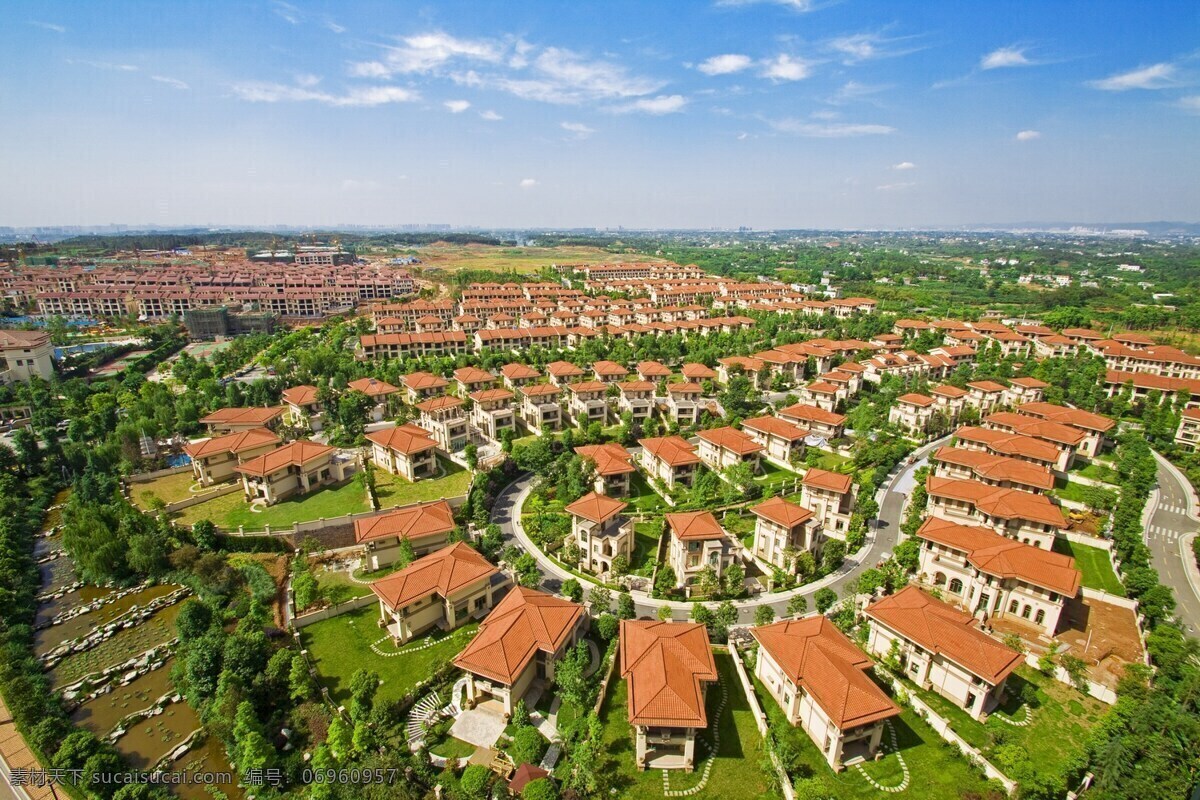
point(15, 754)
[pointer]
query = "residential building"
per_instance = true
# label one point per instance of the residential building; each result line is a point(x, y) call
point(609, 371)
point(977, 465)
point(1028, 518)
point(949, 400)
point(518, 644)
point(940, 649)
point(613, 465)
point(821, 422)
point(1065, 439)
point(684, 404)
point(25, 355)
point(444, 589)
point(541, 410)
point(830, 495)
point(518, 375)
point(668, 668)
point(697, 542)
point(443, 417)
point(721, 448)
point(782, 531)
point(588, 403)
point(740, 365)
point(600, 531)
point(1012, 445)
point(563, 372)
point(913, 413)
point(695, 373)
point(214, 460)
point(425, 526)
point(782, 441)
point(1094, 427)
point(473, 379)
point(652, 371)
point(407, 450)
point(420, 386)
point(636, 398)
point(492, 412)
point(821, 682)
point(380, 392)
point(992, 576)
point(669, 459)
point(304, 409)
point(298, 467)
point(232, 420)
point(1024, 390)
point(1187, 435)
point(985, 396)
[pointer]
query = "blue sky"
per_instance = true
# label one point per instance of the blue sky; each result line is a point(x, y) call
point(767, 113)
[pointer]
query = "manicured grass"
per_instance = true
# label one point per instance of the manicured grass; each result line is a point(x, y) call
point(831, 461)
point(329, 579)
point(1093, 563)
point(645, 546)
point(735, 774)
point(393, 491)
point(232, 510)
point(449, 747)
point(1097, 472)
point(1072, 491)
point(938, 771)
point(168, 488)
point(772, 476)
point(643, 498)
point(340, 645)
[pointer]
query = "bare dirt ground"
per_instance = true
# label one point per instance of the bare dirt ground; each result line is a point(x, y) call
point(1102, 634)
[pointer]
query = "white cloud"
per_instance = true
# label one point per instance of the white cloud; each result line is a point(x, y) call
point(457, 106)
point(360, 97)
point(1005, 57)
point(663, 104)
point(830, 130)
point(490, 116)
point(174, 83)
point(1155, 76)
point(1191, 103)
point(724, 64)
point(369, 69)
point(287, 12)
point(49, 26)
point(859, 47)
point(307, 80)
point(853, 90)
point(904, 165)
point(892, 187)
point(527, 183)
point(104, 65)
point(785, 68)
point(1028, 136)
point(580, 130)
point(333, 26)
point(794, 5)
point(599, 79)
point(427, 52)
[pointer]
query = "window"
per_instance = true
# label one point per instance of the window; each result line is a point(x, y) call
point(956, 586)
point(1039, 617)
point(1013, 606)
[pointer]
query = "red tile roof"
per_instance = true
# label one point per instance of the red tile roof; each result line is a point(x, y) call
point(488, 395)
point(301, 395)
point(731, 439)
point(376, 388)
point(694, 526)
point(653, 369)
point(407, 439)
point(243, 416)
point(943, 629)
point(1074, 417)
point(996, 502)
point(1003, 557)
point(297, 453)
point(610, 458)
point(807, 413)
point(439, 403)
point(444, 573)
point(516, 372)
point(470, 375)
point(520, 625)
point(596, 507)
point(824, 479)
point(564, 369)
point(915, 399)
point(540, 390)
point(674, 450)
point(1036, 427)
point(1009, 444)
point(609, 368)
point(817, 657)
point(666, 665)
point(782, 512)
point(998, 468)
point(774, 426)
point(407, 522)
point(697, 372)
point(232, 443)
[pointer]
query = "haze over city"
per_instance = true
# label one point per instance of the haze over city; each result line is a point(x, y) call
point(777, 114)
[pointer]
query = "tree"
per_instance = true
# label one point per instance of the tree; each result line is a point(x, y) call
point(406, 555)
point(528, 573)
point(625, 606)
point(764, 615)
point(340, 738)
point(471, 454)
point(528, 746)
point(520, 717)
point(832, 555)
point(300, 680)
point(870, 580)
point(584, 775)
point(204, 534)
point(539, 789)
point(569, 674)
point(725, 618)
point(193, 621)
point(825, 598)
point(797, 606)
point(806, 565)
point(363, 686)
point(707, 584)
point(664, 581)
point(600, 598)
point(664, 613)
point(307, 591)
point(607, 626)
point(734, 579)
point(573, 590)
point(474, 782)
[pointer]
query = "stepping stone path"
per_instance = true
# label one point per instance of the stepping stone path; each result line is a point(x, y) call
point(713, 747)
point(895, 748)
point(427, 643)
point(1025, 720)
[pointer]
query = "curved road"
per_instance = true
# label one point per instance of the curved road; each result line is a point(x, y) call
point(1171, 525)
point(881, 539)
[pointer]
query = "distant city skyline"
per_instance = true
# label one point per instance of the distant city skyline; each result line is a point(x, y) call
point(772, 114)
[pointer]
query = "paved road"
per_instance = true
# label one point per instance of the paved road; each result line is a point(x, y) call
point(1168, 534)
point(880, 543)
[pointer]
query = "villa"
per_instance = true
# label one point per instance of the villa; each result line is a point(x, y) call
point(232, 420)
point(782, 530)
point(303, 408)
point(443, 418)
point(1029, 518)
point(426, 526)
point(819, 421)
point(830, 495)
point(670, 459)
point(613, 465)
point(298, 467)
point(407, 450)
point(698, 542)
point(380, 392)
point(492, 412)
point(721, 448)
point(781, 440)
point(636, 398)
point(540, 409)
point(587, 403)
point(684, 403)
point(215, 460)
point(600, 532)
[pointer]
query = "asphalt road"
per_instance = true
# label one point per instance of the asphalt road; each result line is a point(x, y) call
point(879, 546)
point(1172, 520)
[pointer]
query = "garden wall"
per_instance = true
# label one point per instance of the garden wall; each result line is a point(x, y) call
point(332, 611)
point(1085, 539)
point(146, 477)
point(1111, 599)
point(197, 499)
point(1096, 690)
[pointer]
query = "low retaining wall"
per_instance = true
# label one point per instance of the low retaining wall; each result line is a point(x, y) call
point(1096, 690)
point(316, 526)
point(608, 676)
point(332, 611)
point(1112, 599)
point(203, 497)
point(1085, 539)
point(146, 477)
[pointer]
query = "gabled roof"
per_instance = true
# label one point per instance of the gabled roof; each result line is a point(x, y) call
point(774, 426)
point(912, 398)
point(610, 458)
point(444, 573)
point(232, 443)
point(997, 468)
point(596, 507)
point(653, 369)
point(297, 453)
point(946, 390)
point(609, 368)
point(407, 522)
point(996, 502)
point(1003, 557)
point(564, 369)
point(694, 526)
point(470, 375)
point(665, 664)
point(817, 657)
point(1028, 383)
point(1036, 427)
point(824, 479)
point(254, 415)
point(675, 451)
point(782, 512)
point(987, 386)
point(583, 387)
point(520, 625)
point(540, 390)
point(439, 403)
point(1074, 417)
point(376, 388)
point(697, 372)
point(517, 372)
point(808, 413)
point(1009, 444)
point(407, 439)
point(731, 439)
point(301, 395)
point(943, 629)
point(488, 395)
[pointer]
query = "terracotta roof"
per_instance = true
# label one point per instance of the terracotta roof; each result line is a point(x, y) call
point(996, 502)
point(731, 439)
point(696, 372)
point(821, 387)
point(817, 657)
point(444, 572)
point(747, 363)
point(439, 403)
point(946, 390)
point(1074, 417)
point(1010, 444)
point(297, 453)
point(254, 415)
point(564, 369)
point(987, 386)
point(824, 479)
point(540, 390)
point(943, 629)
point(774, 426)
point(665, 664)
point(998, 468)
point(1036, 427)
point(610, 458)
point(694, 526)
point(635, 386)
point(653, 369)
point(584, 387)
point(232, 443)
point(301, 395)
point(525, 774)
point(375, 388)
point(516, 372)
point(596, 507)
point(407, 439)
point(1028, 383)
point(674, 450)
point(782, 512)
point(609, 368)
point(488, 395)
point(468, 375)
point(407, 522)
point(912, 398)
point(1148, 380)
point(10, 338)
point(1003, 557)
point(686, 387)
point(808, 413)
point(520, 625)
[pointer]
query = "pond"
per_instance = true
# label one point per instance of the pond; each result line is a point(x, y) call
point(47, 639)
point(207, 759)
point(124, 645)
point(149, 741)
point(102, 714)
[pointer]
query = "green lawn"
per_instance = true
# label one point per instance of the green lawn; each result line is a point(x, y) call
point(831, 461)
point(937, 771)
point(1072, 491)
point(735, 773)
point(232, 510)
point(1097, 472)
point(395, 491)
point(1094, 564)
point(168, 488)
point(329, 579)
point(645, 546)
point(776, 477)
point(340, 645)
point(643, 498)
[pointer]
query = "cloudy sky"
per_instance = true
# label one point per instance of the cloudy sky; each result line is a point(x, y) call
point(767, 113)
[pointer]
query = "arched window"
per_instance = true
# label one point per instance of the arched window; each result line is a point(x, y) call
point(1025, 612)
point(956, 586)
point(939, 579)
point(1013, 606)
point(1039, 617)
